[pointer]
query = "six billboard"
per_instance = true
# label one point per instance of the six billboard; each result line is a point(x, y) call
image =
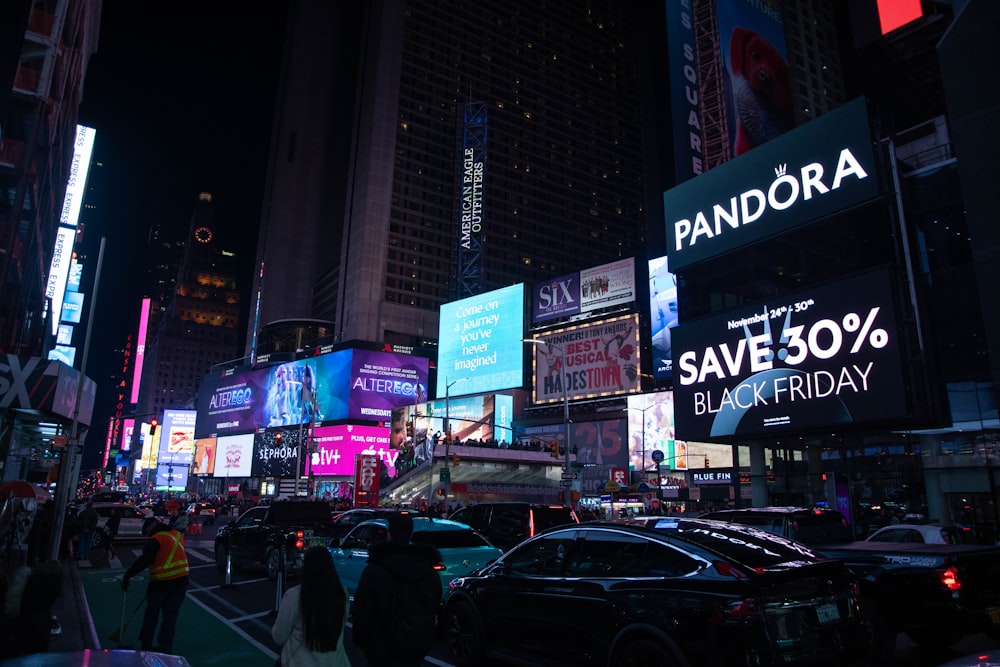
point(821, 358)
point(584, 291)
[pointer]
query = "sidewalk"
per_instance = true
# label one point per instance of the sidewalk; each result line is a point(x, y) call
point(73, 613)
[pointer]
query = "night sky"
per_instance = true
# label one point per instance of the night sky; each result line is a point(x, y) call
point(182, 98)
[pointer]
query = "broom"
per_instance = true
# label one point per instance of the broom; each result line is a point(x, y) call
point(119, 632)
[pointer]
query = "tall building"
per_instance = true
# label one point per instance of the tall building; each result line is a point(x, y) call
point(199, 326)
point(362, 223)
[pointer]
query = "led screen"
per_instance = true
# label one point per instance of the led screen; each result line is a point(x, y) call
point(479, 343)
point(234, 455)
point(600, 359)
point(662, 314)
point(64, 336)
point(63, 353)
point(177, 441)
point(204, 456)
point(470, 417)
point(337, 447)
point(279, 452)
point(171, 477)
point(651, 429)
point(72, 309)
point(823, 167)
point(347, 384)
point(585, 291)
point(823, 358)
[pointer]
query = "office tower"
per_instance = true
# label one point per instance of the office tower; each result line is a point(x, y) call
point(362, 215)
point(199, 327)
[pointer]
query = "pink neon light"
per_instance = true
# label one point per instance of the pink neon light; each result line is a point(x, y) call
point(140, 350)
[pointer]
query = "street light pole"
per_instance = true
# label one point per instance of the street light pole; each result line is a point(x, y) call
point(565, 392)
point(447, 434)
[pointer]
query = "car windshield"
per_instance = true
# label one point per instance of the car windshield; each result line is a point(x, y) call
point(450, 539)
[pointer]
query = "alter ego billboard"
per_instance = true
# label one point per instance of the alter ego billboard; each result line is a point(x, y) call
point(820, 358)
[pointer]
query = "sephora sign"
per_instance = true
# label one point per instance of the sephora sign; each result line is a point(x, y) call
point(823, 167)
point(825, 357)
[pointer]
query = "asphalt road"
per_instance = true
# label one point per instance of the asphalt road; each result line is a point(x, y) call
point(224, 623)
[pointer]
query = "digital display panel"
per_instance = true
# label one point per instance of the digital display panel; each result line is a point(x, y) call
point(821, 358)
point(234, 455)
point(347, 384)
point(585, 291)
point(64, 336)
point(72, 310)
point(816, 170)
point(171, 477)
point(279, 452)
point(140, 350)
point(204, 456)
point(600, 359)
point(177, 441)
point(479, 343)
point(63, 353)
point(470, 417)
point(651, 429)
point(662, 314)
point(337, 448)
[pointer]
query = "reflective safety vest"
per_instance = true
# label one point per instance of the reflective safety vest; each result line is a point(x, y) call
point(171, 559)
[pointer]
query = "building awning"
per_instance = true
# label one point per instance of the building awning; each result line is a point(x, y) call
point(19, 488)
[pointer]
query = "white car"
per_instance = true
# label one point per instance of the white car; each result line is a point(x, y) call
point(135, 523)
point(923, 533)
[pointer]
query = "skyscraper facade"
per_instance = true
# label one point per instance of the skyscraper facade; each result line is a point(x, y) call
point(362, 218)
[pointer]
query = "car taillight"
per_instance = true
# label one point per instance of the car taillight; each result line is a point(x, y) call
point(949, 579)
point(742, 610)
point(439, 567)
point(300, 541)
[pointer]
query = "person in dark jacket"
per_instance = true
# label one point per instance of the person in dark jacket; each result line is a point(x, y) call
point(396, 587)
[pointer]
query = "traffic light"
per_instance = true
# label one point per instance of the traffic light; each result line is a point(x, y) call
point(455, 460)
point(278, 437)
point(152, 427)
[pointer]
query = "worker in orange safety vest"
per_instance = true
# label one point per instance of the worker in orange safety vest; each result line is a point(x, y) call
point(166, 557)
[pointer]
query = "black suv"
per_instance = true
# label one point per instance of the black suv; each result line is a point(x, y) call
point(509, 524)
point(811, 526)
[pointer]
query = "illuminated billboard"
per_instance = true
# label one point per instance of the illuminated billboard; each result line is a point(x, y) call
point(651, 429)
point(234, 455)
point(337, 448)
point(277, 452)
point(64, 336)
point(72, 309)
point(600, 359)
point(348, 384)
point(479, 343)
point(823, 167)
point(177, 441)
point(685, 92)
point(140, 350)
point(171, 477)
point(662, 315)
point(204, 456)
point(128, 426)
point(486, 417)
point(822, 358)
point(584, 291)
point(63, 353)
point(55, 288)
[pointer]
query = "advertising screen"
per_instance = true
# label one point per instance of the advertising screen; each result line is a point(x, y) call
point(72, 310)
point(204, 456)
point(662, 314)
point(599, 445)
point(128, 427)
point(234, 455)
point(63, 353)
point(171, 477)
point(177, 441)
point(651, 429)
point(585, 291)
point(822, 358)
point(337, 448)
point(479, 342)
point(470, 417)
point(600, 358)
point(820, 168)
point(278, 452)
point(64, 336)
point(347, 384)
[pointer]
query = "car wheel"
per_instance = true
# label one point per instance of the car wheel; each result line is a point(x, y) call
point(463, 633)
point(648, 652)
point(273, 562)
point(221, 556)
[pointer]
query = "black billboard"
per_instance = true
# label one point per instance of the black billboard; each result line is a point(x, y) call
point(825, 357)
point(825, 166)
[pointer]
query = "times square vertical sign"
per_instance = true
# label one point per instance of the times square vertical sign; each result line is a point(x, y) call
point(471, 171)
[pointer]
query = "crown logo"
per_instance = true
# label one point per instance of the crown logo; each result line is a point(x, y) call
point(780, 170)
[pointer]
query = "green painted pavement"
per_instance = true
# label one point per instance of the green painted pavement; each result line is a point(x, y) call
point(203, 638)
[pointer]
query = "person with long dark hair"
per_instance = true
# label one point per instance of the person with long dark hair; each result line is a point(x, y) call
point(311, 617)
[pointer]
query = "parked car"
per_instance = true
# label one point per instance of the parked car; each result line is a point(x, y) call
point(508, 524)
point(808, 525)
point(923, 533)
point(669, 591)
point(462, 549)
point(275, 536)
point(204, 510)
point(344, 522)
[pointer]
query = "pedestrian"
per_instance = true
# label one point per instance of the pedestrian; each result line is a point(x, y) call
point(111, 531)
point(398, 599)
point(88, 520)
point(312, 616)
point(166, 557)
point(71, 527)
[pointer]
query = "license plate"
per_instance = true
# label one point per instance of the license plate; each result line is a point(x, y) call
point(994, 613)
point(827, 613)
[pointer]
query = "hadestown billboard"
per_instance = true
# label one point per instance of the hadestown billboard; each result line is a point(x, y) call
point(825, 166)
